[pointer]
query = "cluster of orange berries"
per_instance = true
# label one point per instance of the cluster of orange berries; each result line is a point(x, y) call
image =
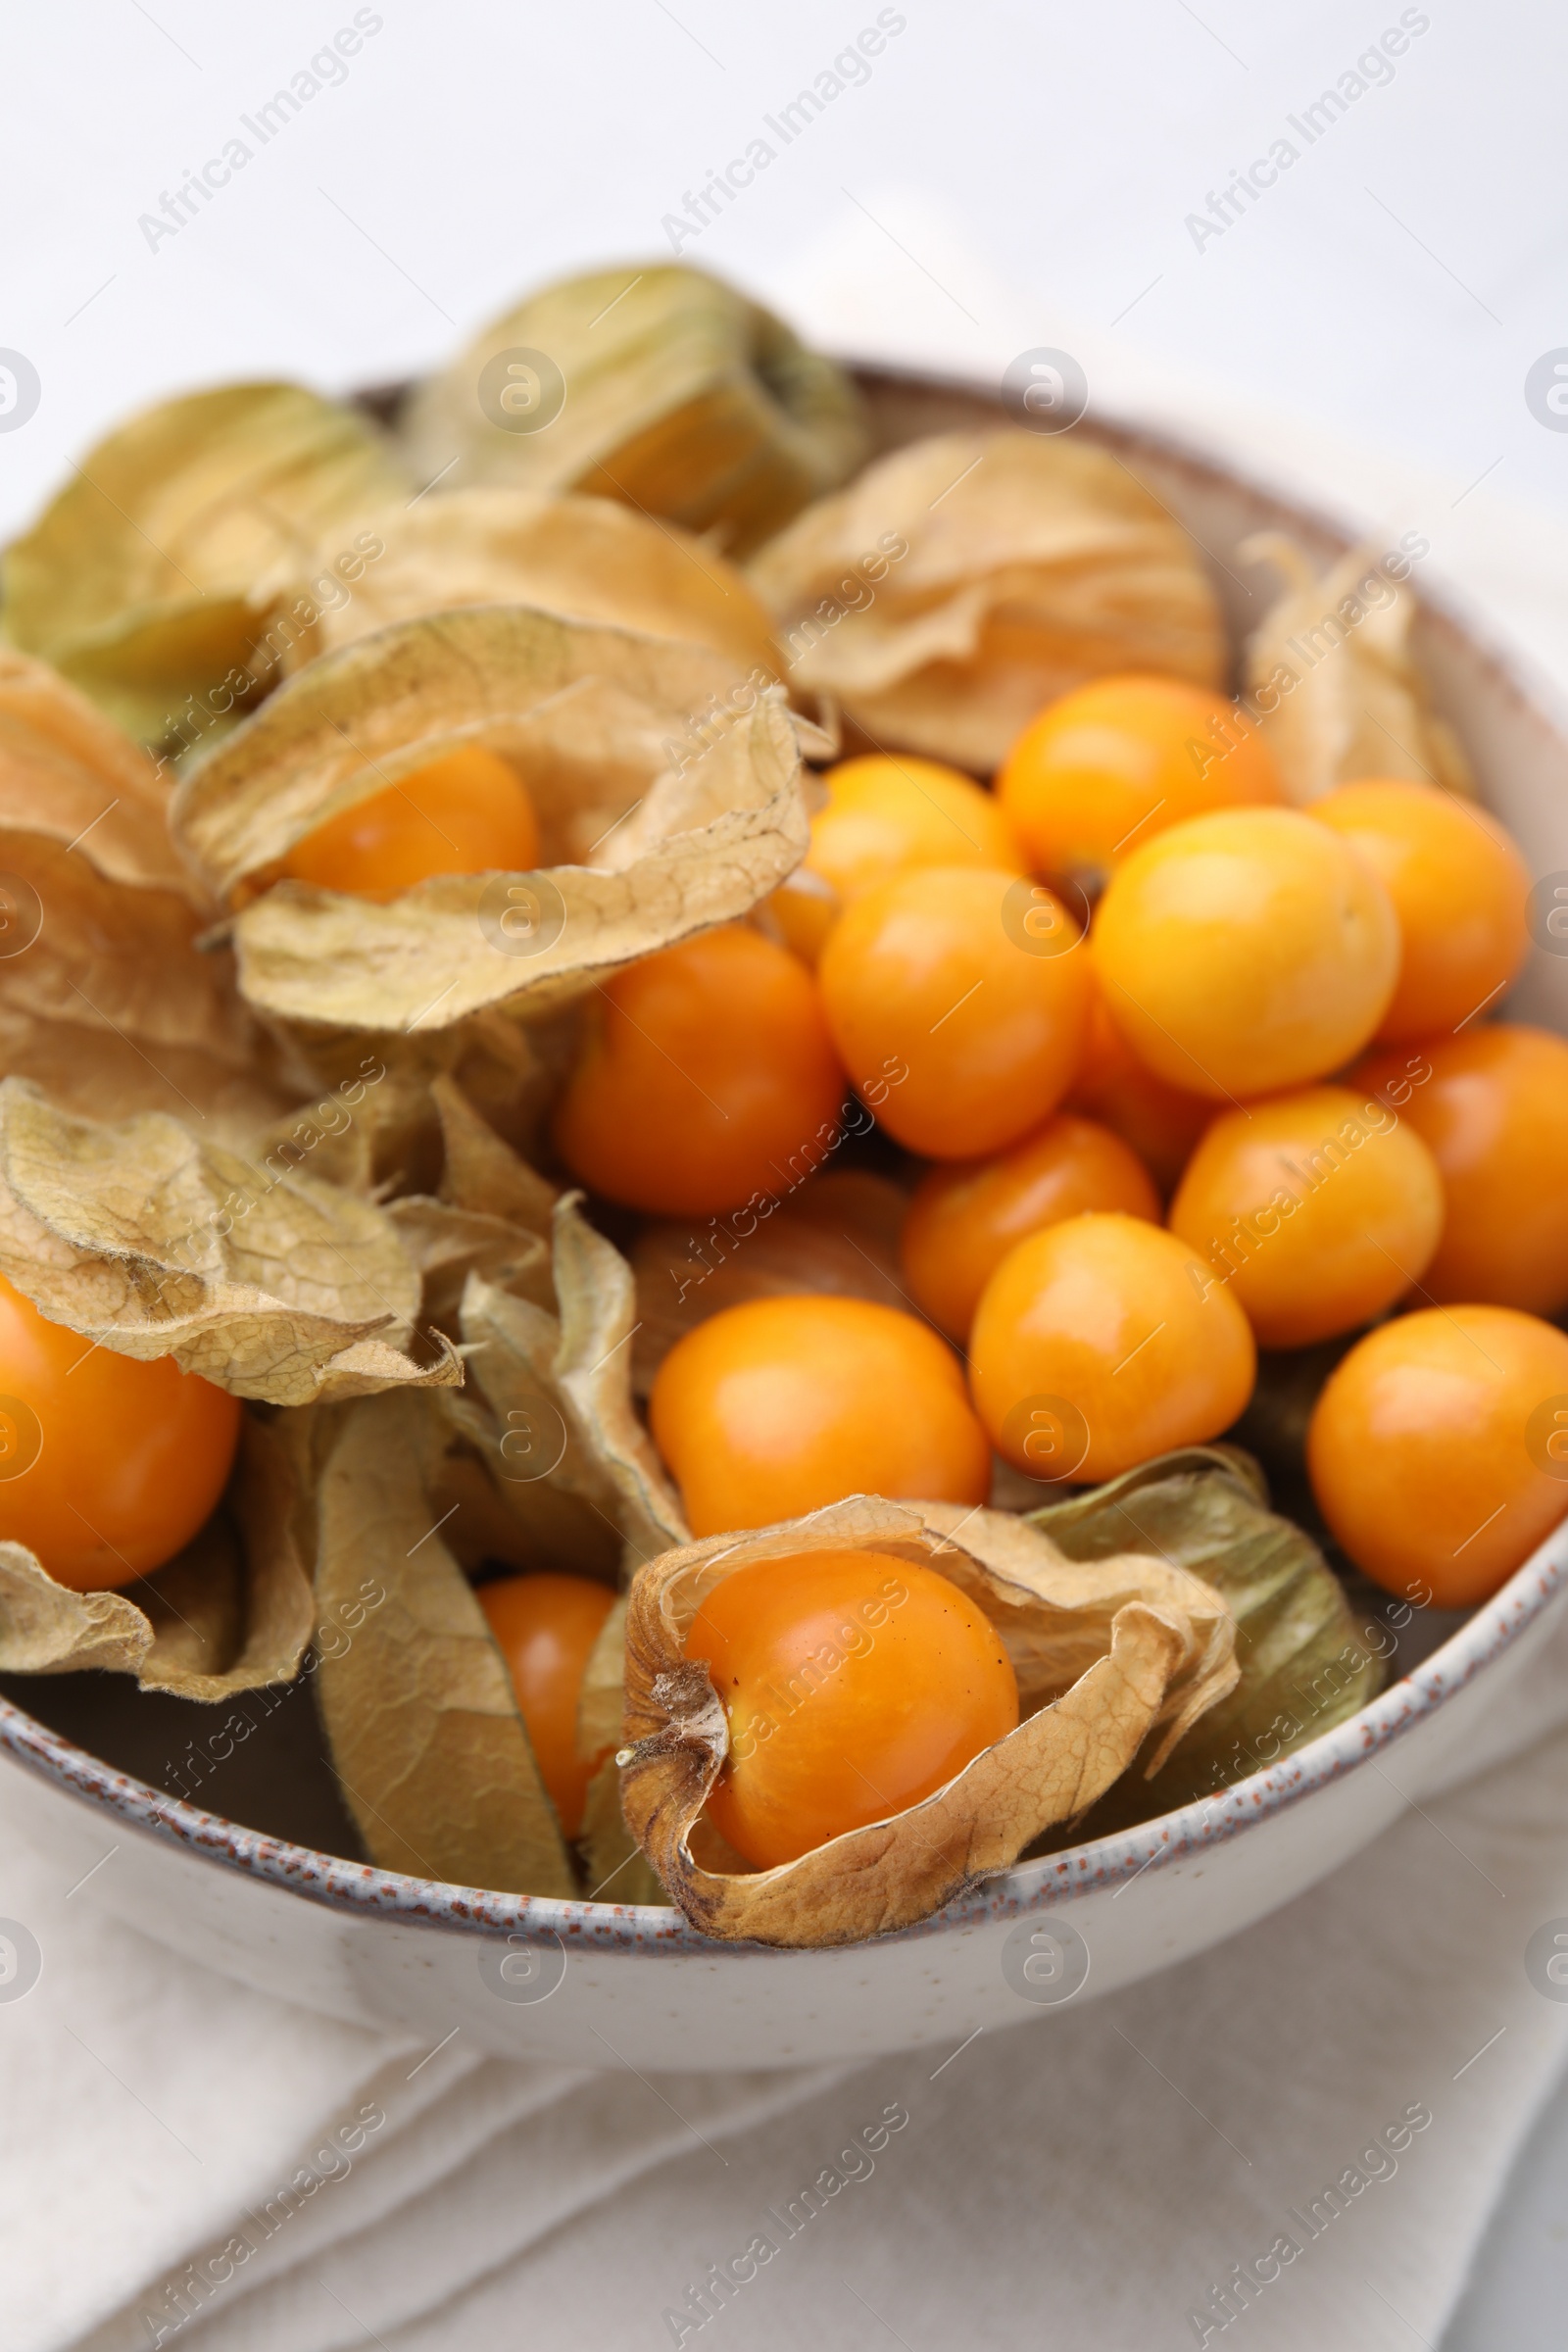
point(1130, 972)
point(1193, 1072)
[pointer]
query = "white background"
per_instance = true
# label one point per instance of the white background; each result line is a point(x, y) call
point(1024, 172)
point(1007, 177)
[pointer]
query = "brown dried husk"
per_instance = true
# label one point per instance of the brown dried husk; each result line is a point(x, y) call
point(104, 995)
point(67, 774)
point(602, 1693)
point(140, 1235)
point(616, 1870)
point(232, 1611)
point(449, 1245)
point(561, 1434)
point(668, 795)
point(1106, 1654)
point(681, 398)
point(490, 1219)
point(394, 1141)
point(139, 579)
point(1030, 565)
point(585, 557)
point(100, 1075)
point(1344, 698)
point(510, 1068)
point(426, 1739)
point(481, 1171)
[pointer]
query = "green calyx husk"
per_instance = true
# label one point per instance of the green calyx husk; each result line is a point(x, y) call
point(538, 1462)
point(1305, 1663)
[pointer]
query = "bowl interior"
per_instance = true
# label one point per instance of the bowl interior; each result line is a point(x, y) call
point(275, 1781)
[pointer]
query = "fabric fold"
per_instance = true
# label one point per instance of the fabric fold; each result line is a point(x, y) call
point(1305, 2129)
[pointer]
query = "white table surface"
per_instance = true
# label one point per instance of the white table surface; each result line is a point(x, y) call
point(1006, 176)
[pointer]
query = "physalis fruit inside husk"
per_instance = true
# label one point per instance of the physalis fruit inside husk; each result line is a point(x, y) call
point(477, 754)
point(1106, 1658)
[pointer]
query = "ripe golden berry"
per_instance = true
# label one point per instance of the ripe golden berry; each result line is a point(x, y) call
point(1319, 1208)
point(703, 1073)
point(1439, 1450)
point(1245, 952)
point(108, 1465)
point(1491, 1107)
point(1101, 1342)
point(855, 1685)
point(545, 1627)
point(883, 816)
point(1109, 766)
point(777, 1406)
point(968, 1214)
point(1459, 889)
point(466, 813)
point(928, 975)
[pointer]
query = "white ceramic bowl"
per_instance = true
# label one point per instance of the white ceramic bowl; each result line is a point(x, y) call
point(598, 1985)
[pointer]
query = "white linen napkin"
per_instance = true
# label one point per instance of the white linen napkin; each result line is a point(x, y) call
point(1092, 2176)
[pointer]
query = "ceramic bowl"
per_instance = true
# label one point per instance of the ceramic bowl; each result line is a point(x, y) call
point(602, 1984)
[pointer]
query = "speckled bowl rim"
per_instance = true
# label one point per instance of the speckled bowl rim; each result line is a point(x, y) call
point(647, 1931)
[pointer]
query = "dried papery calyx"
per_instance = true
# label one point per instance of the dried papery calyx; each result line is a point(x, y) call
point(618, 1871)
point(139, 581)
point(1106, 1658)
point(668, 791)
point(233, 1611)
point(368, 1122)
point(481, 1171)
point(1331, 674)
point(586, 556)
point(659, 386)
point(263, 1279)
point(490, 1218)
point(450, 1245)
point(104, 997)
point(421, 1716)
point(562, 1439)
point(67, 775)
point(418, 1706)
point(962, 583)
